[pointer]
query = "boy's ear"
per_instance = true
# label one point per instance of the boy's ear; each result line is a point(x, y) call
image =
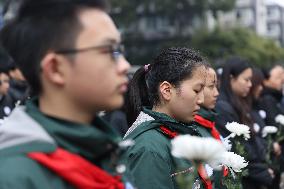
point(53, 67)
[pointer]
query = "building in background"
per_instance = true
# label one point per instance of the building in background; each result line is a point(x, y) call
point(265, 17)
point(275, 20)
point(247, 13)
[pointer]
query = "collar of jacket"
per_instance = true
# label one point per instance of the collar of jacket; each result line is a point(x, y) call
point(207, 114)
point(92, 141)
point(161, 119)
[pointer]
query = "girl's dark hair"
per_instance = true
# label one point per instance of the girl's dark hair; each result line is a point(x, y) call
point(233, 67)
point(256, 80)
point(173, 65)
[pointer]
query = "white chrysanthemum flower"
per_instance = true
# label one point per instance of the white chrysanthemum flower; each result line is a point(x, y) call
point(238, 129)
point(279, 119)
point(227, 143)
point(269, 130)
point(234, 161)
point(207, 150)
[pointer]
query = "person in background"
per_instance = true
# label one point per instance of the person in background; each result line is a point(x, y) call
point(18, 86)
point(235, 85)
point(260, 174)
point(70, 53)
point(204, 121)
point(270, 105)
point(117, 119)
point(271, 95)
point(163, 98)
point(7, 103)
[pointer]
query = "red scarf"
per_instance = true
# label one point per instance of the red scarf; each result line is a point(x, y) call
point(76, 170)
point(214, 132)
point(208, 124)
point(201, 170)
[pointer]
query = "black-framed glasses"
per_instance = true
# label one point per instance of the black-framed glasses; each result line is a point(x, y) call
point(116, 50)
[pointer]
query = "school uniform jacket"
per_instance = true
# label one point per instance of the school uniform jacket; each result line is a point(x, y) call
point(150, 160)
point(42, 152)
point(205, 124)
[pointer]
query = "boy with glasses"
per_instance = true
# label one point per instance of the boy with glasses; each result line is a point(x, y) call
point(69, 51)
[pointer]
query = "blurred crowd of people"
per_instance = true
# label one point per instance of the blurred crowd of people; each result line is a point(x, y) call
point(13, 86)
point(65, 64)
point(248, 95)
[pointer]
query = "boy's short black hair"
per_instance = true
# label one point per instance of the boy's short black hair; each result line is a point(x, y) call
point(40, 26)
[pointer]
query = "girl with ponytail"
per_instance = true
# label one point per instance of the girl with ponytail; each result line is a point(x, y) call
point(162, 100)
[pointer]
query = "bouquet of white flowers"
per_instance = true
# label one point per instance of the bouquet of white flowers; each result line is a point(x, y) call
point(269, 130)
point(279, 119)
point(207, 150)
point(239, 133)
point(234, 161)
point(235, 164)
point(200, 151)
point(238, 129)
point(210, 152)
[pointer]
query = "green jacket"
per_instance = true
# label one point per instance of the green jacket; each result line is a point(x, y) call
point(208, 115)
point(150, 160)
point(29, 130)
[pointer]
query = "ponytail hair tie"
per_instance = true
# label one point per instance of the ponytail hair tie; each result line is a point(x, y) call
point(146, 67)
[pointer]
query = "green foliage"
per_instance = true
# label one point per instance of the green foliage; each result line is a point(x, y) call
point(215, 45)
point(221, 44)
point(186, 181)
point(141, 51)
point(233, 183)
point(233, 180)
point(273, 160)
point(129, 10)
point(239, 147)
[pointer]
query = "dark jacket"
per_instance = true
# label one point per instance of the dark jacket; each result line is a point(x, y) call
point(7, 104)
point(18, 90)
point(28, 130)
point(210, 115)
point(225, 114)
point(117, 120)
point(256, 150)
point(270, 102)
point(255, 147)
